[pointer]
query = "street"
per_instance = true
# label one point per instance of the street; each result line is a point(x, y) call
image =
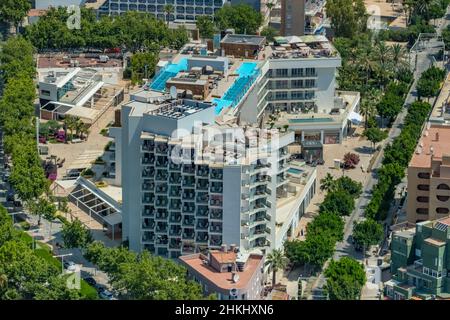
point(424, 61)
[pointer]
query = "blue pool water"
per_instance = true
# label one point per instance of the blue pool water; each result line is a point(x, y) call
point(247, 75)
point(171, 70)
point(294, 171)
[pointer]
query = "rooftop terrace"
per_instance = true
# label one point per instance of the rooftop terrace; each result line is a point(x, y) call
point(434, 143)
point(303, 47)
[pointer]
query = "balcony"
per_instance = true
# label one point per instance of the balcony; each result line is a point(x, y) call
point(216, 214)
point(148, 224)
point(188, 182)
point(148, 145)
point(202, 198)
point(161, 175)
point(202, 211)
point(216, 202)
point(215, 241)
point(216, 174)
point(175, 178)
point(161, 163)
point(202, 237)
point(148, 211)
point(175, 231)
point(161, 214)
point(148, 236)
point(161, 188)
point(148, 160)
point(161, 240)
point(147, 186)
point(175, 244)
point(161, 201)
point(203, 172)
point(161, 149)
point(189, 169)
point(216, 228)
point(202, 224)
point(148, 198)
point(161, 228)
point(203, 186)
point(188, 222)
point(216, 189)
point(175, 205)
point(188, 235)
point(188, 208)
point(148, 173)
point(175, 191)
point(174, 166)
point(188, 195)
point(175, 217)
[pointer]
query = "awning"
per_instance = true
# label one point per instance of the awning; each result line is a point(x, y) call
point(355, 117)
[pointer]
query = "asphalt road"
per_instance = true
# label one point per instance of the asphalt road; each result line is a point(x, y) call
point(423, 60)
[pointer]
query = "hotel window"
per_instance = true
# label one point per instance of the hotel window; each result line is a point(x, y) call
point(423, 199)
point(422, 210)
point(426, 271)
point(45, 93)
point(310, 72)
point(297, 72)
point(442, 198)
point(295, 84)
point(443, 186)
point(418, 253)
point(442, 210)
point(423, 187)
point(423, 175)
point(281, 73)
point(310, 83)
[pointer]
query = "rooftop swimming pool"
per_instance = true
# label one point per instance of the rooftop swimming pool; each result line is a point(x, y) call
point(248, 73)
point(294, 171)
point(170, 71)
point(311, 120)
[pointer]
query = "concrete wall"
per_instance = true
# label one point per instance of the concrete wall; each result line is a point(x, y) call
point(231, 205)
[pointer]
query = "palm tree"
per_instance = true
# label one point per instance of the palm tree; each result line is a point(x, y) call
point(270, 5)
point(424, 7)
point(399, 60)
point(327, 183)
point(276, 260)
point(78, 126)
point(84, 131)
point(368, 105)
point(70, 123)
point(367, 64)
point(168, 9)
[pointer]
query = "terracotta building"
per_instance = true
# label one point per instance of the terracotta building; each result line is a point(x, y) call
point(429, 176)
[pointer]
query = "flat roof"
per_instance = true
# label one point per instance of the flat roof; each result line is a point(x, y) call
point(223, 280)
point(435, 242)
point(435, 138)
point(243, 39)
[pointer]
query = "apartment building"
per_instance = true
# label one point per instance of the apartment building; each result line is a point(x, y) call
point(302, 17)
point(429, 175)
point(184, 10)
point(227, 273)
point(187, 188)
point(420, 262)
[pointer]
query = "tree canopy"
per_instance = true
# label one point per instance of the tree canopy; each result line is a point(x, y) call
point(243, 18)
point(348, 17)
point(367, 233)
point(345, 279)
point(76, 235)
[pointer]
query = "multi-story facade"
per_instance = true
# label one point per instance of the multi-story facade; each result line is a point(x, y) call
point(429, 175)
point(184, 10)
point(195, 194)
point(420, 262)
point(300, 17)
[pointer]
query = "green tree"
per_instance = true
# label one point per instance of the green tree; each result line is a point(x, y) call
point(345, 279)
point(270, 33)
point(76, 235)
point(243, 18)
point(375, 135)
point(143, 64)
point(348, 17)
point(168, 9)
point(329, 223)
point(13, 11)
point(205, 26)
point(327, 183)
point(42, 208)
point(349, 185)
point(340, 202)
point(276, 260)
point(367, 233)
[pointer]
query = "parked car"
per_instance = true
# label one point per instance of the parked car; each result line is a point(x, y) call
point(70, 266)
point(91, 281)
point(106, 295)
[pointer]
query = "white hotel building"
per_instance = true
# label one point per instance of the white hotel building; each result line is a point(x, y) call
point(236, 183)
